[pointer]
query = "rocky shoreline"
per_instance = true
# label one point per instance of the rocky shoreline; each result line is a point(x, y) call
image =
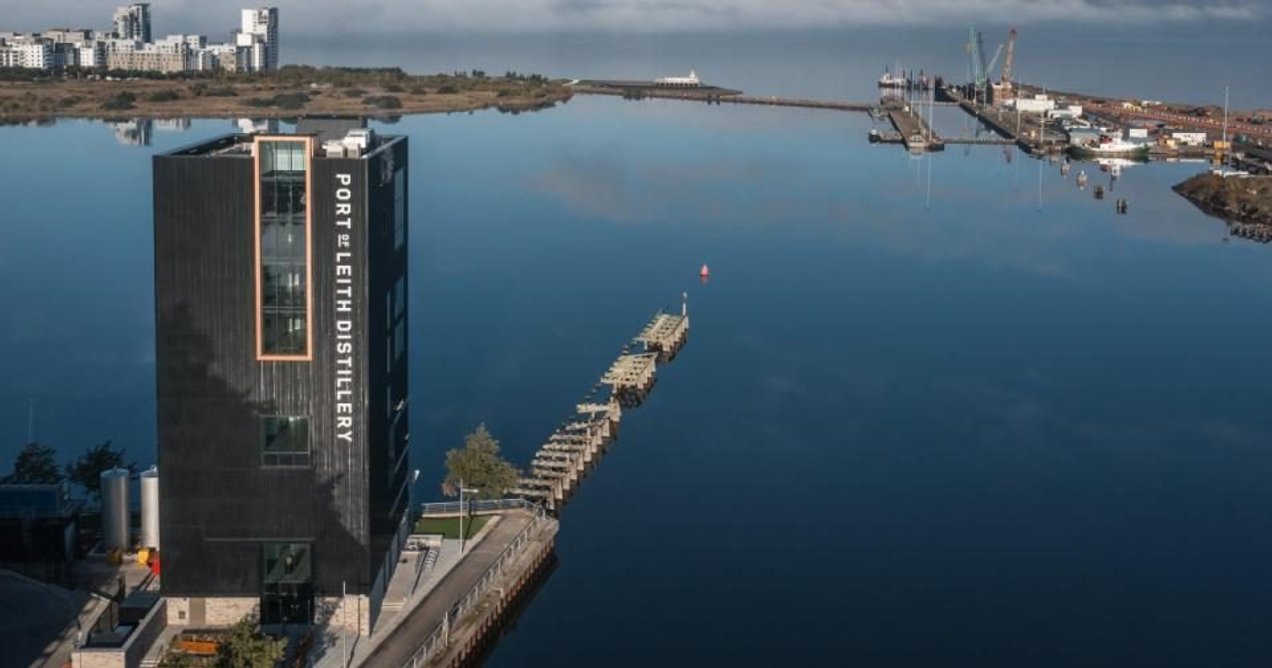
point(1244, 201)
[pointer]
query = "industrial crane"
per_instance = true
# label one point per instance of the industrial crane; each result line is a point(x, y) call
point(1005, 80)
point(981, 69)
point(974, 65)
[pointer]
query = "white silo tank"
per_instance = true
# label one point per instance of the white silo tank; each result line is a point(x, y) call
point(115, 509)
point(150, 508)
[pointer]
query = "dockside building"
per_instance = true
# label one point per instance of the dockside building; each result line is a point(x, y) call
point(280, 287)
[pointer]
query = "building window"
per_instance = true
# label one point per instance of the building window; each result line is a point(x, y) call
point(287, 591)
point(283, 249)
point(399, 208)
point(284, 441)
point(399, 297)
point(287, 562)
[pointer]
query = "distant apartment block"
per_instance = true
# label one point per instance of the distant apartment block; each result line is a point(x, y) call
point(26, 52)
point(259, 33)
point(133, 22)
point(128, 45)
point(148, 60)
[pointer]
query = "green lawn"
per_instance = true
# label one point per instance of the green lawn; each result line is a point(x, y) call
point(449, 526)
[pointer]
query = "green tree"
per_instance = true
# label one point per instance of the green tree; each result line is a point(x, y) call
point(175, 658)
point(35, 464)
point(86, 471)
point(480, 466)
point(246, 647)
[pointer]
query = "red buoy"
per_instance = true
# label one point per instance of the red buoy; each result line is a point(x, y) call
point(705, 272)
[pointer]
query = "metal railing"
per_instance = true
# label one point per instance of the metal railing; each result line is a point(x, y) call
point(477, 506)
point(438, 640)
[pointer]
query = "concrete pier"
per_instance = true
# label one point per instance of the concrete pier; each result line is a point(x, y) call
point(717, 96)
point(1023, 130)
point(915, 132)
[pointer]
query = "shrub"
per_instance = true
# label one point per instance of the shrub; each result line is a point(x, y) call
point(419, 90)
point(291, 100)
point(383, 102)
point(120, 101)
point(393, 88)
point(354, 92)
point(163, 96)
point(448, 89)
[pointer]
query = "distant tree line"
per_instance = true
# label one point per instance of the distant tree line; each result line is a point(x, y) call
point(37, 464)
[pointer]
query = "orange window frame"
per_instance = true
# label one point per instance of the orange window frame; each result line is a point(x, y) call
point(309, 249)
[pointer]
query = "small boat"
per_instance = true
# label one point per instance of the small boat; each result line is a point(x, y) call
point(1082, 178)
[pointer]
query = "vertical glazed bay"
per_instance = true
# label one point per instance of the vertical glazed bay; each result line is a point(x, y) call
point(931, 412)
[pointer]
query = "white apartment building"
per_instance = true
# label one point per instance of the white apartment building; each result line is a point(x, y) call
point(260, 26)
point(27, 52)
point(91, 54)
point(128, 46)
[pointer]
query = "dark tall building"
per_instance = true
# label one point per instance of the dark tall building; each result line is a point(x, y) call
point(280, 290)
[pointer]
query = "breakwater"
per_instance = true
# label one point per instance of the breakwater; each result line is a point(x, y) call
point(576, 446)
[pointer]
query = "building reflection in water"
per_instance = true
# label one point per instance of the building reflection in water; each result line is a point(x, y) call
point(140, 131)
point(252, 126)
point(133, 132)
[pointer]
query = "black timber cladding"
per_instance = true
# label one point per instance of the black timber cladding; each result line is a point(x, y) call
point(218, 502)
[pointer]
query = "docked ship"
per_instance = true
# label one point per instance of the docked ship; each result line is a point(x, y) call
point(1109, 146)
point(904, 80)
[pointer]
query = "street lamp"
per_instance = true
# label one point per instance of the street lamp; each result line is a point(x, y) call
point(462, 489)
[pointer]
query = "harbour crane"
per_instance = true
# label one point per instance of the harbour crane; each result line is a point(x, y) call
point(1010, 60)
point(973, 64)
point(993, 61)
point(980, 60)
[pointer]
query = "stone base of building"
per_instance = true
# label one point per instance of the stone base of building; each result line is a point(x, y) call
point(211, 611)
point(350, 613)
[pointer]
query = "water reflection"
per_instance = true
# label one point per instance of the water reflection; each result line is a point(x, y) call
point(140, 131)
point(949, 374)
point(132, 132)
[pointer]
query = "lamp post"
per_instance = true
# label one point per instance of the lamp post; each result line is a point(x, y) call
point(462, 489)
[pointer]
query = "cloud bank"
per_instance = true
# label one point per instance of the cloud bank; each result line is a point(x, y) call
point(406, 16)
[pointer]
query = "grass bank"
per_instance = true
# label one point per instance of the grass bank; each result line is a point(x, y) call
point(449, 526)
point(291, 91)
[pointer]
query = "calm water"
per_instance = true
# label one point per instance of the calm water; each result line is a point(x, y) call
point(1189, 62)
point(932, 412)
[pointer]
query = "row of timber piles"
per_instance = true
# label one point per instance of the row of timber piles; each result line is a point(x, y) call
point(571, 451)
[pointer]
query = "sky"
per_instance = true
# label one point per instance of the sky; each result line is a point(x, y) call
point(322, 17)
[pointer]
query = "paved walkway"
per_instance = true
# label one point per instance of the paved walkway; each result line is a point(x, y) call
point(399, 632)
point(397, 648)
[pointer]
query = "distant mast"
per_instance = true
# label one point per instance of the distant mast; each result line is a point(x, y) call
point(1225, 117)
